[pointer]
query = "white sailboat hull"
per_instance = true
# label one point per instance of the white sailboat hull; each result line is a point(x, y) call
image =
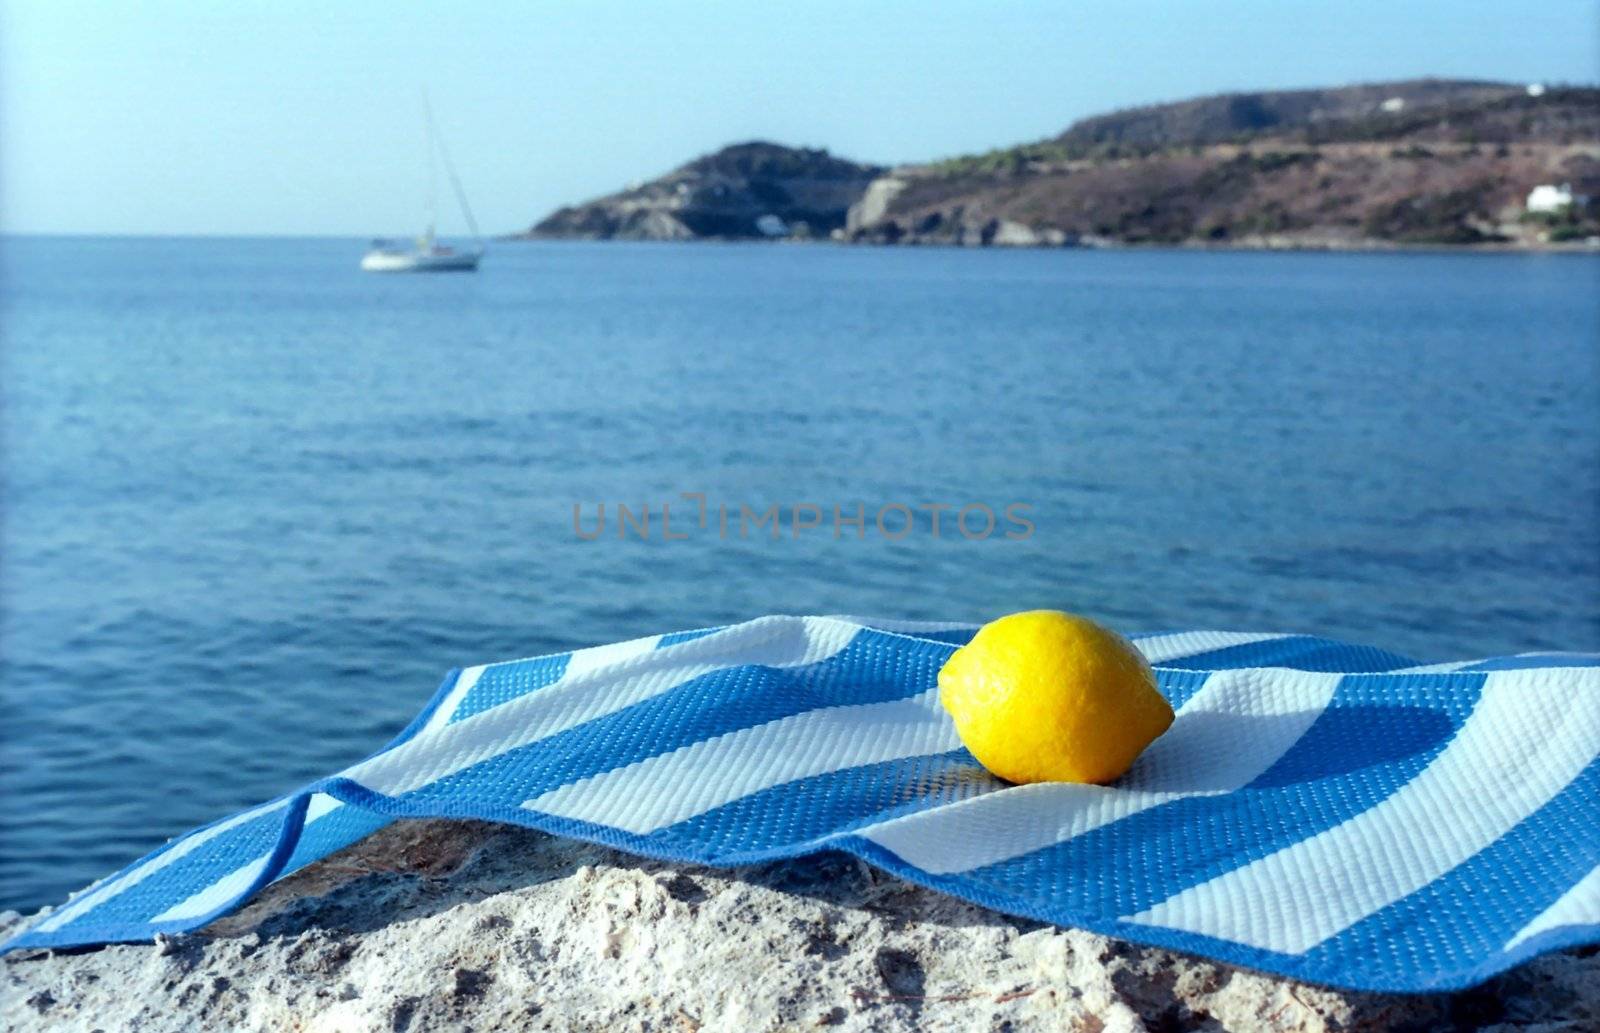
point(424, 254)
point(420, 262)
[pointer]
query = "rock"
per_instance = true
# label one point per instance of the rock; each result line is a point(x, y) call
point(744, 192)
point(435, 925)
point(1009, 233)
point(874, 203)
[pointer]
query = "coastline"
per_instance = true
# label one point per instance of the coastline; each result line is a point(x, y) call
point(1418, 163)
point(1363, 246)
point(470, 925)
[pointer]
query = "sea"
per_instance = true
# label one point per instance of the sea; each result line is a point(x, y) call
point(257, 503)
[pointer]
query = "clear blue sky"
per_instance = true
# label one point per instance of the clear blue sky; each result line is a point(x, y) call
point(302, 117)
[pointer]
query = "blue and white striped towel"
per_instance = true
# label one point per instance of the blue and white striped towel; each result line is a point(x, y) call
point(1330, 812)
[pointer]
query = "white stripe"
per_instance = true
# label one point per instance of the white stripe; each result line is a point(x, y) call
point(580, 662)
point(116, 887)
point(663, 790)
point(585, 662)
point(1578, 906)
point(447, 707)
point(237, 881)
point(1161, 648)
point(215, 895)
point(594, 693)
point(1531, 733)
point(319, 805)
point(1236, 727)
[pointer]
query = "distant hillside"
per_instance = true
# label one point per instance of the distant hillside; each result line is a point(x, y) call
point(1420, 162)
point(1425, 162)
point(749, 190)
point(1232, 117)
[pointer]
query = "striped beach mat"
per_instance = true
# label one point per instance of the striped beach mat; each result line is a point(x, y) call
point(1330, 812)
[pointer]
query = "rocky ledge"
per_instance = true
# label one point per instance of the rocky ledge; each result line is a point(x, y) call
point(747, 191)
point(434, 925)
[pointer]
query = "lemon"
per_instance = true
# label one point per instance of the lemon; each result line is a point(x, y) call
point(1046, 696)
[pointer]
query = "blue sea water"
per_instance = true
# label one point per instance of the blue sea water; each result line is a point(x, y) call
point(257, 503)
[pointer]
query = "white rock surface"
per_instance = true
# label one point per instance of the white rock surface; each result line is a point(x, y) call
point(1009, 233)
point(874, 203)
point(435, 925)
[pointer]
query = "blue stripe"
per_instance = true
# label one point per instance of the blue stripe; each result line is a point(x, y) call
point(331, 833)
point(804, 811)
point(194, 872)
point(952, 636)
point(1471, 912)
point(502, 683)
point(1178, 685)
point(675, 637)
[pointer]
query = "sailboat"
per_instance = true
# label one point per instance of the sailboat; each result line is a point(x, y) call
point(425, 254)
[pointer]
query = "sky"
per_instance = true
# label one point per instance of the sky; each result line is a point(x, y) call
point(304, 118)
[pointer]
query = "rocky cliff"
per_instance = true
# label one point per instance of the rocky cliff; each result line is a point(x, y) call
point(1387, 164)
point(747, 191)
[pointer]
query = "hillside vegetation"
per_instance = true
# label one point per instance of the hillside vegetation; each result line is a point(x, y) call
point(1422, 162)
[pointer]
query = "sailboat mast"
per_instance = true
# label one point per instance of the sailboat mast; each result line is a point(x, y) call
point(436, 140)
point(433, 170)
point(427, 256)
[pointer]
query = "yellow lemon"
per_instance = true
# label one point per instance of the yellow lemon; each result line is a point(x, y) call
point(1046, 696)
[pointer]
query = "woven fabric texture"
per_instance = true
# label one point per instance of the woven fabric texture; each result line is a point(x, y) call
point(1330, 812)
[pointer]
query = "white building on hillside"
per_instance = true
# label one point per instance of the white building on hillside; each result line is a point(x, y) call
point(1549, 199)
